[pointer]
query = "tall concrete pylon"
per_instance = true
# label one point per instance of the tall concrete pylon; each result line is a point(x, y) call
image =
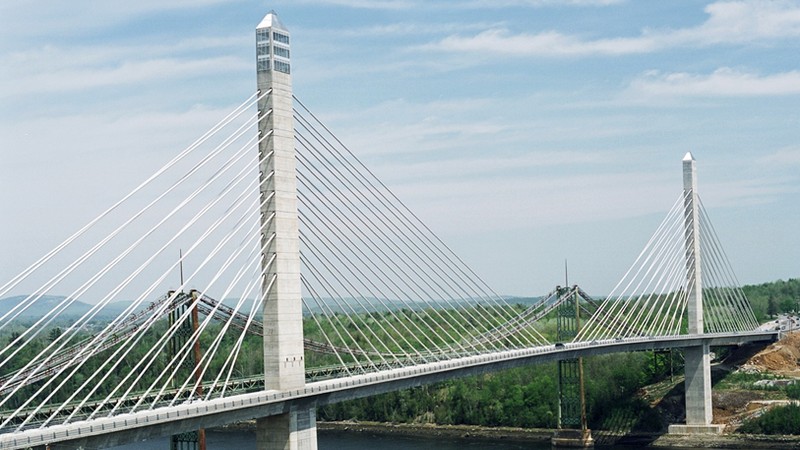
point(694, 279)
point(284, 365)
point(697, 367)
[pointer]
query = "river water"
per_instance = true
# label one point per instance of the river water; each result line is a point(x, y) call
point(349, 440)
point(344, 440)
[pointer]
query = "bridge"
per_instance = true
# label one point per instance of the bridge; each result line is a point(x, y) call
point(305, 281)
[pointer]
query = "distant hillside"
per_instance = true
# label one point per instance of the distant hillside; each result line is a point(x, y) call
point(77, 308)
point(50, 302)
point(525, 301)
point(379, 305)
point(767, 299)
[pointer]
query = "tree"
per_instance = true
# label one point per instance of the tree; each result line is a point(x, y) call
point(793, 390)
point(778, 420)
point(14, 336)
point(772, 306)
point(55, 333)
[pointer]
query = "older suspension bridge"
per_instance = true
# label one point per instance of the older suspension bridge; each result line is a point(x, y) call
point(308, 282)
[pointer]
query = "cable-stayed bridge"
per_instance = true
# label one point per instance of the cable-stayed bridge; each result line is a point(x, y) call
point(267, 271)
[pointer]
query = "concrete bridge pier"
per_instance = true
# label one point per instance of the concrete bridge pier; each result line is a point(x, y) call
point(295, 430)
point(698, 394)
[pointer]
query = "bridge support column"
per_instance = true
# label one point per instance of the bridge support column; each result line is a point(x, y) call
point(698, 385)
point(698, 394)
point(295, 430)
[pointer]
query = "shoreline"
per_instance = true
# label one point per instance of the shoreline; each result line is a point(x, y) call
point(443, 431)
point(541, 435)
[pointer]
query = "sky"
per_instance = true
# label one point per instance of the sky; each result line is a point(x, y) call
point(523, 132)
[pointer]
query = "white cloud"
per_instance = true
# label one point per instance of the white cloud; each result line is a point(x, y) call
point(55, 68)
point(745, 21)
point(80, 78)
point(747, 192)
point(469, 204)
point(789, 156)
point(366, 4)
point(725, 82)
point(411, 28)
point(494, 167)
point(474, 4)
point(518, 202)
point(728, 23)
point(21, 19)
point(79, 164)
point(507, 3)
point(550, 43)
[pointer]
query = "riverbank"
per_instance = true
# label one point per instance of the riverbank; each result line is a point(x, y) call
point(728, 441)
point(443, 431)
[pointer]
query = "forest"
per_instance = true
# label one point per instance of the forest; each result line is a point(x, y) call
point(528, 397)
point(777, 297)
point(523, 397)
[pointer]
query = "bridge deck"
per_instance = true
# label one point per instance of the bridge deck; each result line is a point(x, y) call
point(124, 428)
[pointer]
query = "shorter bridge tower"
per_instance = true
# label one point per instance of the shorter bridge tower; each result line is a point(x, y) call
point(697, 366)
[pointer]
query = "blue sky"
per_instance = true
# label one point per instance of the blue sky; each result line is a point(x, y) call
point(524, 132)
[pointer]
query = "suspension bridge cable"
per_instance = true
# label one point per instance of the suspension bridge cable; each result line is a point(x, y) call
point(49, 317)
point(345, 263)
point(89, 315)
point(332, 293)
point(371, 244)
point(370, 188)
point(131, 346)
point(418, 225)
point(603, 321)
point(383, 223)
point(158, 347)
point(5, 288)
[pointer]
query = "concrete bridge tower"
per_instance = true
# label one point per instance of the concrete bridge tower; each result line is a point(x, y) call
point(697, 366)
point(284, 365)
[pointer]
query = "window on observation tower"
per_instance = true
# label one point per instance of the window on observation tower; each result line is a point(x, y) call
point(262, 63)
point(262, 50)
point(262, 36)
point(281, 66)
point(282, 38)
point(280, 51)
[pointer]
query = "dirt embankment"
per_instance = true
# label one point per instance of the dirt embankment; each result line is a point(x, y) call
point(781, 358)
point(779, 363)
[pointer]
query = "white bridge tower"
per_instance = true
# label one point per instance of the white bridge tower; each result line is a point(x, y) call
point(697, 367)
point(284, 365)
